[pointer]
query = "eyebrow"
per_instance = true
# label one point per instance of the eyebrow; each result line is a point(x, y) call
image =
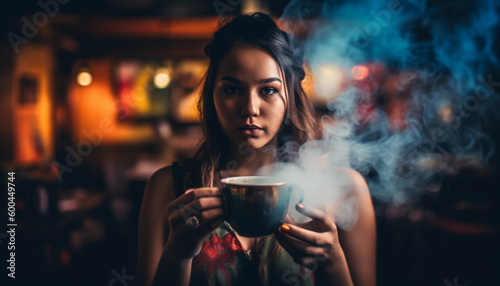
point(235, 80)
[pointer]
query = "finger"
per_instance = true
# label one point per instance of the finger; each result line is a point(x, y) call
point(310, 212)
point(206, 203)
point(287, 238)
point(211, 214)
point(307, 236)
point(317, 215)
point(180, 220)
point(299, 251)
point(206, 227)
point(285, 243)
point(191, 195)
point(195, 208)
point(304, 249)
point(204, 192)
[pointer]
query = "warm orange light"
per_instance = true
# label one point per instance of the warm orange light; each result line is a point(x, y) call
point(161, 79)
point(329, 79)
point(446, 113)
point(360, 72)
point(84, 77)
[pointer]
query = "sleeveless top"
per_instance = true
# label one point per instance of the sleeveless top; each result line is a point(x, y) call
point(223, 260)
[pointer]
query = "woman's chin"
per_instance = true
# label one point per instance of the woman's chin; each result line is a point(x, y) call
point(251, 143)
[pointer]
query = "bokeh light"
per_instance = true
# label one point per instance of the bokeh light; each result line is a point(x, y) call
point(84, 77)
point(360, 72)
point(162, 79)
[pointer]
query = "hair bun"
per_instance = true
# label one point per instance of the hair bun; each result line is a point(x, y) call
point(295, 48)
point(300, 72)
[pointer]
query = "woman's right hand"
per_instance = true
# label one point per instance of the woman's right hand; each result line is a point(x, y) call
point(190, 218)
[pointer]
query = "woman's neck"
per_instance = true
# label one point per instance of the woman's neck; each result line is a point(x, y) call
point(242, 162)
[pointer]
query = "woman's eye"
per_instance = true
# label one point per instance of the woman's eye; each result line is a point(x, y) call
point(231, 90)
point(269, 90)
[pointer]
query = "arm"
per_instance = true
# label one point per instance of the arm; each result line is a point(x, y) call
point(359, 243)
point(356, 256)
point(153, 228)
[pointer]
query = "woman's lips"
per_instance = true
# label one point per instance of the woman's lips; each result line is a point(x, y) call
point(251, 131)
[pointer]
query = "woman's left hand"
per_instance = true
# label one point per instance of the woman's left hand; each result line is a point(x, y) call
point(313, 244)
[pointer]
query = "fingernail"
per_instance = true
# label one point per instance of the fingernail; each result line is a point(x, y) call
point(285, 227)
point(300, 206)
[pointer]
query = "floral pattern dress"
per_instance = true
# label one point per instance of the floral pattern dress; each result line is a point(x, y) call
point(224, 261)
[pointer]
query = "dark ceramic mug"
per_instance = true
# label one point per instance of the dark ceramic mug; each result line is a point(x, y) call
point(256, 206)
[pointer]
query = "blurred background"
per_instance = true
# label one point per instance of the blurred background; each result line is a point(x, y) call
point(97, 95)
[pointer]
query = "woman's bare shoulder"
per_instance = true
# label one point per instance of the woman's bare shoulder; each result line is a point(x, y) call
point(359, 240)
point(355, 180)
point(160, 185)
point(152, 232)
point(162, 175)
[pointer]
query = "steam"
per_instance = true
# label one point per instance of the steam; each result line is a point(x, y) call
point(434, 60)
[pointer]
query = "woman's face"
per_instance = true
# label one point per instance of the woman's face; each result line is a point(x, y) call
point(249, 97)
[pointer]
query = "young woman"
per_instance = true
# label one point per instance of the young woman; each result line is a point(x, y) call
point(252, 104)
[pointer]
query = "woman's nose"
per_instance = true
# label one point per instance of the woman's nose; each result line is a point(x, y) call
point(250, 105)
